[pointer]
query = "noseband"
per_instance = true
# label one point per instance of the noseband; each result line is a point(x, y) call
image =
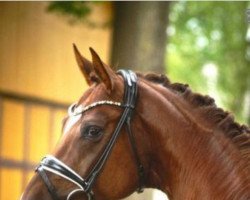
point(55, 166)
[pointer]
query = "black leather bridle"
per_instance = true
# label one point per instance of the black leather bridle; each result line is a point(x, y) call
point(53, 165)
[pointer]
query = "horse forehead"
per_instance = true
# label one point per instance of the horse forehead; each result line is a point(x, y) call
point(94, 93)
point(90, 96)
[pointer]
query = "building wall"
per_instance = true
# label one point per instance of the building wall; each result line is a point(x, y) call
point(36, 50)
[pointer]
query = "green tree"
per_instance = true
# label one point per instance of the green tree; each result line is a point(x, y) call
point(211, 34)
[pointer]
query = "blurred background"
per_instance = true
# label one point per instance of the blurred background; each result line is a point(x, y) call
point(204, 44)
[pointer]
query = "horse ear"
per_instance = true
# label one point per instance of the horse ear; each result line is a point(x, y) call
point(86, 67)
point(104, 72)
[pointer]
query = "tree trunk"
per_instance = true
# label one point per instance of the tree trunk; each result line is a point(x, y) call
point(139, 37)
point(248, 60)
point(248, 119)
point(139, 42)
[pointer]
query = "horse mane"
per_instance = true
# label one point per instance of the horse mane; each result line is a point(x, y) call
point(223, 120)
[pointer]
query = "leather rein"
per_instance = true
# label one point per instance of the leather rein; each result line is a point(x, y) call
point(55, 166)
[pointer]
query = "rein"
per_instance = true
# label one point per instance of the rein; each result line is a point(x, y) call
point(55, 166)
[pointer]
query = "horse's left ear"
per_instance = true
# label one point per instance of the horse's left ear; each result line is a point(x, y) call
point(104, 72)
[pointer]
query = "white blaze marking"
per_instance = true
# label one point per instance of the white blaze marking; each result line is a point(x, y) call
point(71, 122)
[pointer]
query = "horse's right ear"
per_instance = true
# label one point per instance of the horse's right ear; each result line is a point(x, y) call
point(86, 67)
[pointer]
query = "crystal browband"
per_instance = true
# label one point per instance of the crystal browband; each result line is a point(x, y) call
point(76, 110)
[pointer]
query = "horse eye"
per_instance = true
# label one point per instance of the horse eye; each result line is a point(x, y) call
point(91, 132)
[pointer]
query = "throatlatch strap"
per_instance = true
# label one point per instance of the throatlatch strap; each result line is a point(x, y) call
point(140, 168)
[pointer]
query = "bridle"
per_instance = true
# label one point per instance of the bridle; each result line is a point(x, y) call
point(55, 166)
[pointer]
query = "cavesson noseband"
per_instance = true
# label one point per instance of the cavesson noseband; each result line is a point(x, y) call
point(55, 166)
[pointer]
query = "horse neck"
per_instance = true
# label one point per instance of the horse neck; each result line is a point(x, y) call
point(188, 160)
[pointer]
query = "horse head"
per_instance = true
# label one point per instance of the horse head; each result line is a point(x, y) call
point(98, 155)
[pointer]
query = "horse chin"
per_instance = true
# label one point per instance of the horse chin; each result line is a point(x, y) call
point(35, 190)
point(33, 195)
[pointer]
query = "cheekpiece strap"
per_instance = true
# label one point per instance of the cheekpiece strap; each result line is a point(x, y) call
point(130, 99)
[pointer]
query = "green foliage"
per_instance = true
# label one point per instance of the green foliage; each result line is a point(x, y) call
point(211, 33)
point(75, 9)
point(77, 12)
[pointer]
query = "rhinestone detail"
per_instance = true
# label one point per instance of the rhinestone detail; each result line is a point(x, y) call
point(76, 110)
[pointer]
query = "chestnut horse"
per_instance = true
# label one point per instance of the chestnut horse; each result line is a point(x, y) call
point(130, 131)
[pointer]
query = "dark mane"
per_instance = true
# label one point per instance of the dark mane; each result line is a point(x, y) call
point(239, 134)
